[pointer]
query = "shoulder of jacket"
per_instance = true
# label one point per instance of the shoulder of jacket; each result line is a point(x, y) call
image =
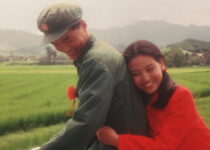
point(182, 95)
point(182, 89)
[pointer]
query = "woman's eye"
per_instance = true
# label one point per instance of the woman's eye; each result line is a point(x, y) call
point(150, 69)
point(134, 74)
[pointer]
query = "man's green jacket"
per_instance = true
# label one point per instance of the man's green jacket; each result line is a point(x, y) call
point(106, 97)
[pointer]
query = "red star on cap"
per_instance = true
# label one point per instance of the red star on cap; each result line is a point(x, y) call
point(43, 27)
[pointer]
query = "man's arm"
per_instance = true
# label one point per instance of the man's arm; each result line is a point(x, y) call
point(95, 95)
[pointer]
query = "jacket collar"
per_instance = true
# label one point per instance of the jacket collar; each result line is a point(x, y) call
point(86, 48)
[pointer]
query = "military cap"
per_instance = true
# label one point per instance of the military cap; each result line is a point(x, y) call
point(55, 20)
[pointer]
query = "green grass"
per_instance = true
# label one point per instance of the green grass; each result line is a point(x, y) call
point(197, 79)
point(25, 140)
point(33, 96)
point(37, 69)
point(33, 100)
point(203, 105)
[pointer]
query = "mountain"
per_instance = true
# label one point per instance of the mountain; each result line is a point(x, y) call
point(192, 45)
point(159, 32)
point(18, 39)
point(20, 43)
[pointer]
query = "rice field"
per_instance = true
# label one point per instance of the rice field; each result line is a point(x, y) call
point(33, 96)
point(33, 102)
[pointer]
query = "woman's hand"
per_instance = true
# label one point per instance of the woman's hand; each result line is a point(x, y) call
point(107, 136)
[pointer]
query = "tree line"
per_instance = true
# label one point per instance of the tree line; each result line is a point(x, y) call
point(174, 57)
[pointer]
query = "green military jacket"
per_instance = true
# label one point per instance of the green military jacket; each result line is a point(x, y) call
point(106, 97)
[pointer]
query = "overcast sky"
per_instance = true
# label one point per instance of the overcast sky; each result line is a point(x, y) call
point(22, 14)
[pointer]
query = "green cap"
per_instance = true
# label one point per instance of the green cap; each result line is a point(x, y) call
point(55, 20)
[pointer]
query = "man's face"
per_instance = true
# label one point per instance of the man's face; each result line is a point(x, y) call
point(73, 41)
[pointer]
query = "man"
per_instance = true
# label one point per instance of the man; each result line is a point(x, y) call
point(106, 93)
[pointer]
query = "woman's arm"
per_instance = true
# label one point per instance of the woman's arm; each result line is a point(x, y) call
point(107, 136)
point(176, 124)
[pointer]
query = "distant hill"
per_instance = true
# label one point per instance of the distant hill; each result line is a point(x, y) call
point(192, 45)
point(18, 39)
point(19, 42)
point(159, 32)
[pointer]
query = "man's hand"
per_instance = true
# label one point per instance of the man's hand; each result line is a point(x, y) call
point(107, 136)
point(36, 148)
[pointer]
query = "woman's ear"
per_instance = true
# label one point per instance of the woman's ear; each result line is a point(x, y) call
point(162, 65)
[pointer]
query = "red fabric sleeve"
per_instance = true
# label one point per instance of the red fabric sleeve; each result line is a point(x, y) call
point(176, 123)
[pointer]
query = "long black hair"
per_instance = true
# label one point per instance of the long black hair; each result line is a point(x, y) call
point(167, 85)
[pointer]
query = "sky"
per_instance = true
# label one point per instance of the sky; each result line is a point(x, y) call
point(101, 14)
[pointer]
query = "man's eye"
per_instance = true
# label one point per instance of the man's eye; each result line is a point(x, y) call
point(66, 40)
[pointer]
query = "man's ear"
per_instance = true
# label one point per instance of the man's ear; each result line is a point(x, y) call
point(83, 24)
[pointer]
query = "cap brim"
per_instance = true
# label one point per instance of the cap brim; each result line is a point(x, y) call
point(48, 38)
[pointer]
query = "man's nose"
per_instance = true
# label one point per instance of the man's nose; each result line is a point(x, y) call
point(61, 48)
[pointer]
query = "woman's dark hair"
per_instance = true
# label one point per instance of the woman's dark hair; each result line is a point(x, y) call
point(167, 85)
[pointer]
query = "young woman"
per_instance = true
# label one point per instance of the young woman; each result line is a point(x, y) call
point(174, 121)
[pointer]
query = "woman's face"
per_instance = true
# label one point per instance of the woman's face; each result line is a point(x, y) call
point(146, 73)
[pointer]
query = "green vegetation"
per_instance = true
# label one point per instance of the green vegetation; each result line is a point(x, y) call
point(203, 105)
point(34, 103)
point(197, 79)
point(33, 96)
point(25, 140)
point(192, 45)
point(190, 52)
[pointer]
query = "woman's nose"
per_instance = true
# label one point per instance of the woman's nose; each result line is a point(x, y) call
point(145, 77)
